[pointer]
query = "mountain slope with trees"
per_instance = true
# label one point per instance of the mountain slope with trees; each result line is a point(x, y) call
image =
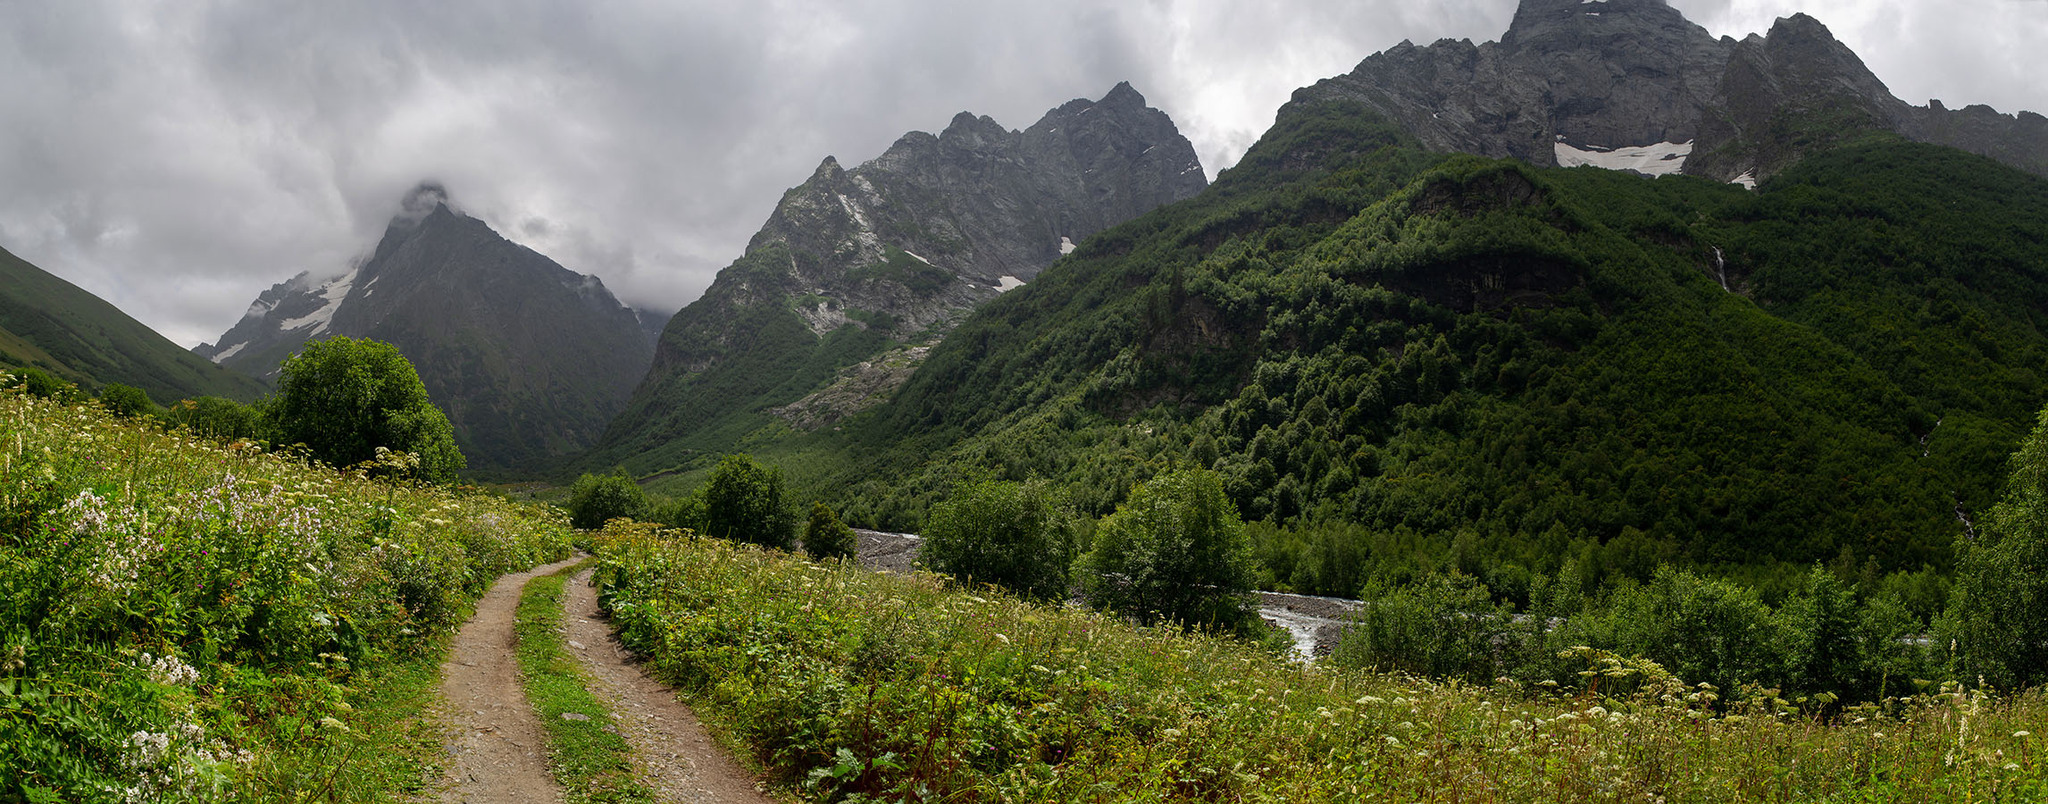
point(1470, 362)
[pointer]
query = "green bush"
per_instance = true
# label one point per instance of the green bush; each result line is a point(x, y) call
point(126, 401)
point(596, 499)
point(343, 398)
point(683, 513)
point(1444, 626)
point(1174, 551)
point(1002, 533)
point(217, 418)
point(1701, 629)
point(744, 502)
point(827, 537)
point(37, 382)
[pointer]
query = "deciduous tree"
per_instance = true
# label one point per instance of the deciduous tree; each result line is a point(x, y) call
point(343, 398)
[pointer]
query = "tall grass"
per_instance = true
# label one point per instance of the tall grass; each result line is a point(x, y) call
point(850, 685)
point(181, 619)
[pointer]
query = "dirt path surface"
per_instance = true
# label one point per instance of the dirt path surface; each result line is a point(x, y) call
point(675, 755)
point(498, 755)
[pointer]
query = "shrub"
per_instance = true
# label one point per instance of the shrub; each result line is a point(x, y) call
point(1002, 533)
point(217, 418)
point(1702, 629)
point(1175, 550)
point(596, 499)
point(126, 401)
point(826, 536)
point(37, 382)
point(683, 513)
point(1444, 625)
point(744, 502)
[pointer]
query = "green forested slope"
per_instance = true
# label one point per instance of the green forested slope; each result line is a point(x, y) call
point(51, 324)
point(1517, 365)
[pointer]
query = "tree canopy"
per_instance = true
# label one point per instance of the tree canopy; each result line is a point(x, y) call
point(343, 398)
point(1175, 550)
point(744, 502)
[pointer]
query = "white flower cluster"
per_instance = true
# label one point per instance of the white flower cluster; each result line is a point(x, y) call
point(124, 542)
point(167, 670)
point(177, 764)
point(88, 512)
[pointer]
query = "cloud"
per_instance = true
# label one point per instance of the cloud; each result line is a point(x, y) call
point(177, 159)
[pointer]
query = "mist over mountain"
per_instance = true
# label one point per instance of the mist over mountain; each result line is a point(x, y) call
point(858, 268)
point(527, 358)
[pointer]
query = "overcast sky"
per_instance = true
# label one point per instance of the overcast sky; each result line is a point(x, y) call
point(178, 158)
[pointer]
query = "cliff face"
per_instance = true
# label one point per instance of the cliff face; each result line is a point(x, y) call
point(1631, 84)
point(527, 358)
point(854, 264)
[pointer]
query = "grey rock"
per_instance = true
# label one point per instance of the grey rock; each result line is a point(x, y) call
point(1623, 73)
point(899, 248)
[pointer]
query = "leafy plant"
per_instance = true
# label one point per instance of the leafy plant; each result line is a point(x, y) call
point(343, 398)
point(744, 501)
point(1998, 615)
point(1008, 534)
point(1174, 551)
point(125, 400)
point(595, 499)
point(827, 537)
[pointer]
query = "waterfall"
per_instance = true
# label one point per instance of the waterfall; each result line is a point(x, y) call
point(1721, 265)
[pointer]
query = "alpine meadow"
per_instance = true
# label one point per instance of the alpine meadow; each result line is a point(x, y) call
point(1609, 412)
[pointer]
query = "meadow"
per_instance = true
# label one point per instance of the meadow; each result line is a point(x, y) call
point(849, 685)
point(183, 619)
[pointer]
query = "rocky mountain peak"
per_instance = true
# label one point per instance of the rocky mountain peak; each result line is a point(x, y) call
point(890, 253)
point(1633, 85)
point(971, 132)
point(529, 359)
point(1123, 96)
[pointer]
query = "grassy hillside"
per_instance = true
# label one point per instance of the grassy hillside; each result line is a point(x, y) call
point(855, 686)
point(51, 324)
point(181, 620)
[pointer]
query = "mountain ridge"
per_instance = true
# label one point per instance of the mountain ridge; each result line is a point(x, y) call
point(1605, 75)
point(856, 265)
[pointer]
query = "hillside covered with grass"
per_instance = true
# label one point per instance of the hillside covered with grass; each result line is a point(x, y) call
point(57, 327)
point(849, 685)
point(182, 619)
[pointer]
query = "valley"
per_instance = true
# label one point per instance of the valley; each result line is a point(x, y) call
point(1608, 411)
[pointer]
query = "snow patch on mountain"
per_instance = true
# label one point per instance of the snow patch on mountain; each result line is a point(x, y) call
point(331, 297)
point(1660, 159)
point(229, 352)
